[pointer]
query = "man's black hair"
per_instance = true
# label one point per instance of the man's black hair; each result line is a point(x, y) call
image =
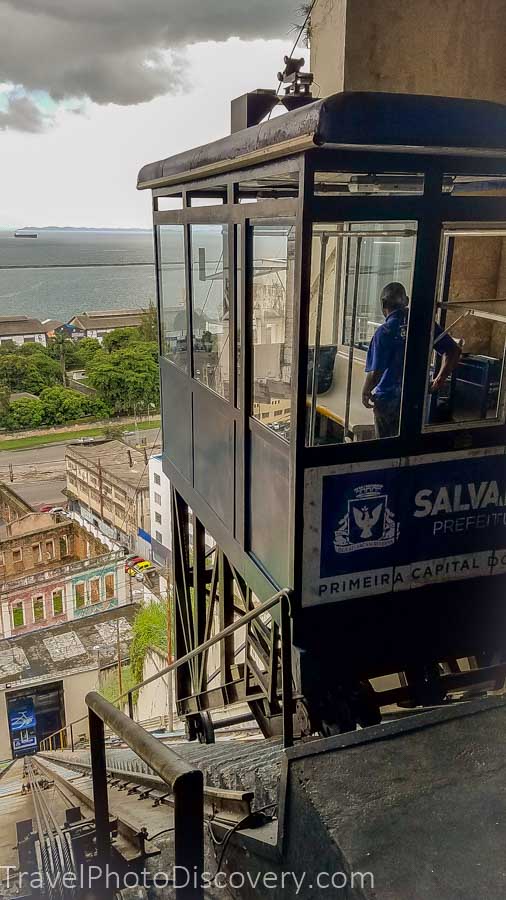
point(393, 296)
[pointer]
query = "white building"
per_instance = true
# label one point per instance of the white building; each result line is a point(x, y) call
point(100, 322)
point(160, 512)
point(22, 330)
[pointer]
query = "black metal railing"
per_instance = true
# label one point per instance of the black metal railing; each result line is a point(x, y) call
point(185, 783)
point(65, 738)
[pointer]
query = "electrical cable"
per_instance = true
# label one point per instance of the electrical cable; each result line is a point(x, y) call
point(223, 843)
point(153, 837)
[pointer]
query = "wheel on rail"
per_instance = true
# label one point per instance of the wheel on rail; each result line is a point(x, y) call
point(199, 727)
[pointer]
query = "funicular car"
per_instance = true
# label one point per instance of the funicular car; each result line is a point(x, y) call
point(274, 246)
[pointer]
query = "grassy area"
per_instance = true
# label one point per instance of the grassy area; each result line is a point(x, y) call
point(40, 440)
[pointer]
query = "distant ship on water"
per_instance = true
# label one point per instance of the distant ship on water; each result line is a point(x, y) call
point(28, 234)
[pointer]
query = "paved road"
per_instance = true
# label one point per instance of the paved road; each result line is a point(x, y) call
point(39, 473)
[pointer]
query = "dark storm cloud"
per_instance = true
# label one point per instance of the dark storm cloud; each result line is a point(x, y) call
point(112, 51)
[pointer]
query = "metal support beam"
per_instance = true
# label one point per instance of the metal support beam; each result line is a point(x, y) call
point(100, 797)
point(183, 605)
point(226, 613)
point(199, 595)
point(286, 674)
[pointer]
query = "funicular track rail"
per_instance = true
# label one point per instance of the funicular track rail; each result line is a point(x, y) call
point(227, 806)
point(54, 852)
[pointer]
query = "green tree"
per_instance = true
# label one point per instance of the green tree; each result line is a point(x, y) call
point(23, 413)
point(148, 329)
point(29, 371)
point(86, 350)
point(65, 351)
point(30, 348)
point(149, 629)
point(95, 406)
point(119, 338)
point(126, 378)
point(5, 399)
point(20, 374)
point(60, 405)
point(8, 346)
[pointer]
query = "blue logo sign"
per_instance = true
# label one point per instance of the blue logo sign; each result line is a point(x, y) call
point(22, 716)
point(407, 525)
point(368, 522)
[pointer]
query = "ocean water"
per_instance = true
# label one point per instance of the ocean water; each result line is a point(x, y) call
point(84, 278)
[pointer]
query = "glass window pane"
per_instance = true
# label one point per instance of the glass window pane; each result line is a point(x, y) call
point(38, 609)
point(109, 586)
point(272, 326)
point(466, 372)
point(210, 305)
point(95, 590)
point(57, 602)
point(79, 595)
point(333, 184)
point(361, 275)
point(173, 294)
point(266, 187)
point(475, 185)
point(383, 259)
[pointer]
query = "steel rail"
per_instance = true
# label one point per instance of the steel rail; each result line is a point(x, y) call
point(63, 845)
point(228, 806)
point(54, 849)
point(40, 832)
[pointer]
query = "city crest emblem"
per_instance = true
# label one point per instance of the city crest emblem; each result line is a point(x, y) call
point(368, 522)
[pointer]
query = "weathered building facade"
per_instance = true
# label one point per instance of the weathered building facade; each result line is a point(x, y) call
point(52, 570)
point(108, 486)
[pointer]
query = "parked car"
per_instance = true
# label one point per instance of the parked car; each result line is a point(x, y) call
point(136, 565)
point(131, 561)
point(143, 566)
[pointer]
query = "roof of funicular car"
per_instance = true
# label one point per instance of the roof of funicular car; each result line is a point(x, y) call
point(356, 120)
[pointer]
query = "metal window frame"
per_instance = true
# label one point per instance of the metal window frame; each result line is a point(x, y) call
point(480, 229)
point(429, 211)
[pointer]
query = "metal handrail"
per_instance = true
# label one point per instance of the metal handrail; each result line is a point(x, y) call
point(185, 783)
point(282, 598)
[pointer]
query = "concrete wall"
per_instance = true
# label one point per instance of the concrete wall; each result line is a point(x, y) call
point(75, 688)
point(155, 699)
point(5, 741)
point(21, 339)
point(444, 47)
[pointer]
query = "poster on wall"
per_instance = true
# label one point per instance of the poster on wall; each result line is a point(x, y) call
point(400, 524)
point(22, 715)
point(22, 725)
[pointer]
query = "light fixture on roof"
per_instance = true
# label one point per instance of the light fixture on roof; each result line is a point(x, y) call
point(251, 108)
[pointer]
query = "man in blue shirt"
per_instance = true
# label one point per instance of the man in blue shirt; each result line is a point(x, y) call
point(385, 361)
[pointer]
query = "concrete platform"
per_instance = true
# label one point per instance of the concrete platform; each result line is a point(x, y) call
point(408, 810)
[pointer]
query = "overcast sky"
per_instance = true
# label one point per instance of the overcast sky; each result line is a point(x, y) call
point(90, 90)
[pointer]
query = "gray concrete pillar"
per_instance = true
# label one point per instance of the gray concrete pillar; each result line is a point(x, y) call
point(452, 48)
